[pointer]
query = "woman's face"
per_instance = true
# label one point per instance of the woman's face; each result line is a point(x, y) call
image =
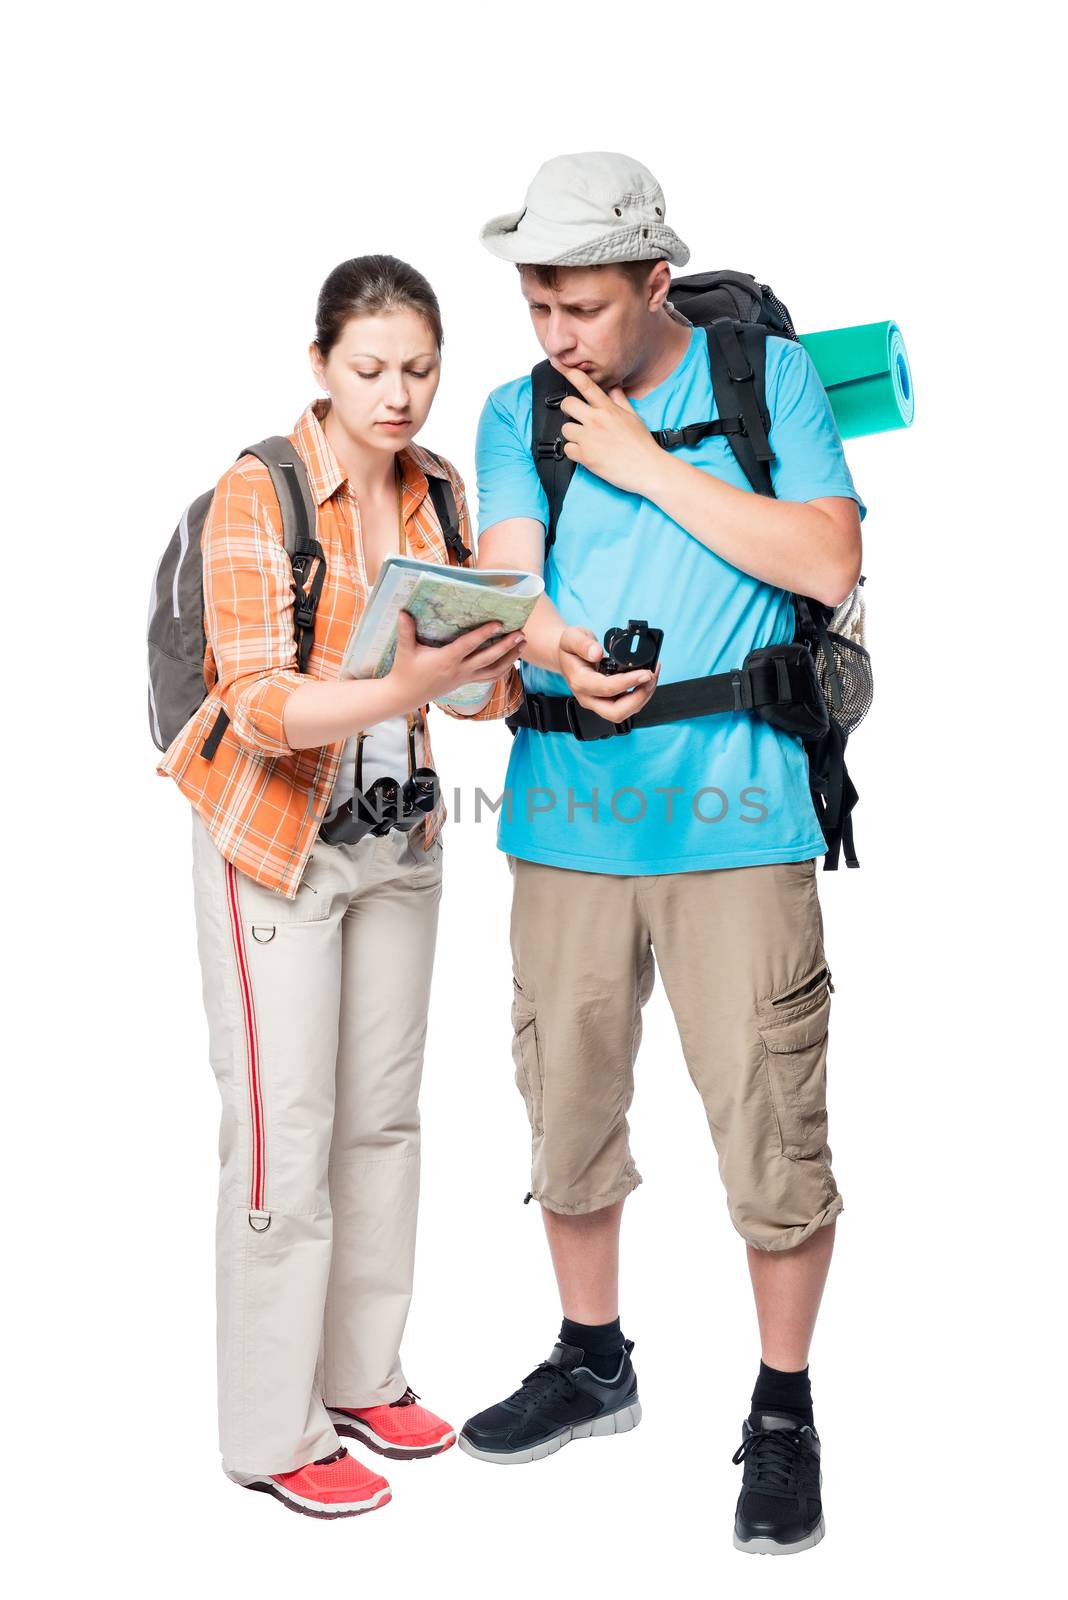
point(381, 376)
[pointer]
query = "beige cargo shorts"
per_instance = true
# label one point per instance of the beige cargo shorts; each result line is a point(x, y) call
point(740, 953)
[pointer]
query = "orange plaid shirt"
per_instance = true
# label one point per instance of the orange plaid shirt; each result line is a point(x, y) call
point(261, 801)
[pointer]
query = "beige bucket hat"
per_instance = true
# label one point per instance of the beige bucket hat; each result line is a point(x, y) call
point(586, 210)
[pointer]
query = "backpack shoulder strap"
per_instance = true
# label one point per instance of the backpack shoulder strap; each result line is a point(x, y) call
point(290, 479)
point(555, 469)
point(444, 503)
point(736, 354)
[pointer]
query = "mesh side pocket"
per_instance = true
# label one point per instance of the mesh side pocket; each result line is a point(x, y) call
point(849, 618)
point(853, 665)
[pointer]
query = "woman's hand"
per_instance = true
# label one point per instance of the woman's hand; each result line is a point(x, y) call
point(428, 672)
point(607, 695)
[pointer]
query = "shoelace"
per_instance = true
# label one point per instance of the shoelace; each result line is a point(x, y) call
point(408, 1398)
point(328, 1461)
point(776, 1453)
point(546, 1380)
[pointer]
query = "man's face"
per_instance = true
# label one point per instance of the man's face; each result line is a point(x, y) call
point(595, 318)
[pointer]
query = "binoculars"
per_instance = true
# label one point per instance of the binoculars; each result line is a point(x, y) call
point(387, 804)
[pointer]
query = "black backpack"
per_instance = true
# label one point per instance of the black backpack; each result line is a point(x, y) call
point(739, 315)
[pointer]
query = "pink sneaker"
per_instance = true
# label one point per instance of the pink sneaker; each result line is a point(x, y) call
point(334, 1486)
point(403, 1430)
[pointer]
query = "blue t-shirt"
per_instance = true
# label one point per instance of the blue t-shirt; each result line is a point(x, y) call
point(717, 791)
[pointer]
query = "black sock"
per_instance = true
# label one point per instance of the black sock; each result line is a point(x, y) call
point(602, 1344)
point(789, 1394)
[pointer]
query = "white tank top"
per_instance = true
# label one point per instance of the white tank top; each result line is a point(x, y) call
point(385, 747)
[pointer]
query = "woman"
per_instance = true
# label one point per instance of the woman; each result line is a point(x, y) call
point(317, 955)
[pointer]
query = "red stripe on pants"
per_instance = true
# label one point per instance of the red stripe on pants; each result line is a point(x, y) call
point(255, 1096)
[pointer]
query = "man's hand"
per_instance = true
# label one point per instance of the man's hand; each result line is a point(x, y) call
point(608, 696)
point(606, 435)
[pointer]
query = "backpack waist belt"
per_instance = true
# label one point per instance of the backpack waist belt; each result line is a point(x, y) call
point(777, 683)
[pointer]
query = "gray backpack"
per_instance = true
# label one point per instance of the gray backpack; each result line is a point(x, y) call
point(176, 641)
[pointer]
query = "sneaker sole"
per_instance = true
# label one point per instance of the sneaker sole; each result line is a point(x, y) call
point(352, 1428)
point(621, 1421)
point(772, 1547)
point(312, 1508)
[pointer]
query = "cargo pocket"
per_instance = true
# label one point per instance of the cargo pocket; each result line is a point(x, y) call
point(795, 1060)
point(526, 1054)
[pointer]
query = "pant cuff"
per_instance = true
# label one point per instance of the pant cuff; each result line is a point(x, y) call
point(790, 1238)
point(597, 1202)
point(384, 1396)
point(325, 1445)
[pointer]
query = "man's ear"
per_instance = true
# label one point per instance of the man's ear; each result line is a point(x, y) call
point(659, 285)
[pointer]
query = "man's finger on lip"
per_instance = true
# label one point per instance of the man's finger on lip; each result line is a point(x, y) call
point(579, 377)
point(588, 387)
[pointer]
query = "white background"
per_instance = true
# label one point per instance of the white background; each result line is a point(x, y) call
point(180, 182)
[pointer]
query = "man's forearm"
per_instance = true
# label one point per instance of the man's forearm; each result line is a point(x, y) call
point(785, 543)
point(518, 544)
point(543, 629)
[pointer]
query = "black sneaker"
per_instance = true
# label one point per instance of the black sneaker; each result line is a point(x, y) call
point(779, 1509)
point(559, 1401)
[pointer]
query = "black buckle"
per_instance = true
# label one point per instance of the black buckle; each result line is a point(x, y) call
point(458, 548)
point(535, 712)
point(554, 401)
point(742, 690)
point(305, 615)
point(607, 730)
point(670, 438)
point(551, 452)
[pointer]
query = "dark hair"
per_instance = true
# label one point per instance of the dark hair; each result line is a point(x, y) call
point(549, 277)
point(369, 284)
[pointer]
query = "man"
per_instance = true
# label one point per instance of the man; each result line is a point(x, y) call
point(696, 837)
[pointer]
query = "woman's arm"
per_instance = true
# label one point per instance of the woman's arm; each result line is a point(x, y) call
point(248, 611)
point(319, 713)
point(248, 618)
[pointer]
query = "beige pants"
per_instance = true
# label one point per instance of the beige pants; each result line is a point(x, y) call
point(740, 951)
point(317, 1019)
